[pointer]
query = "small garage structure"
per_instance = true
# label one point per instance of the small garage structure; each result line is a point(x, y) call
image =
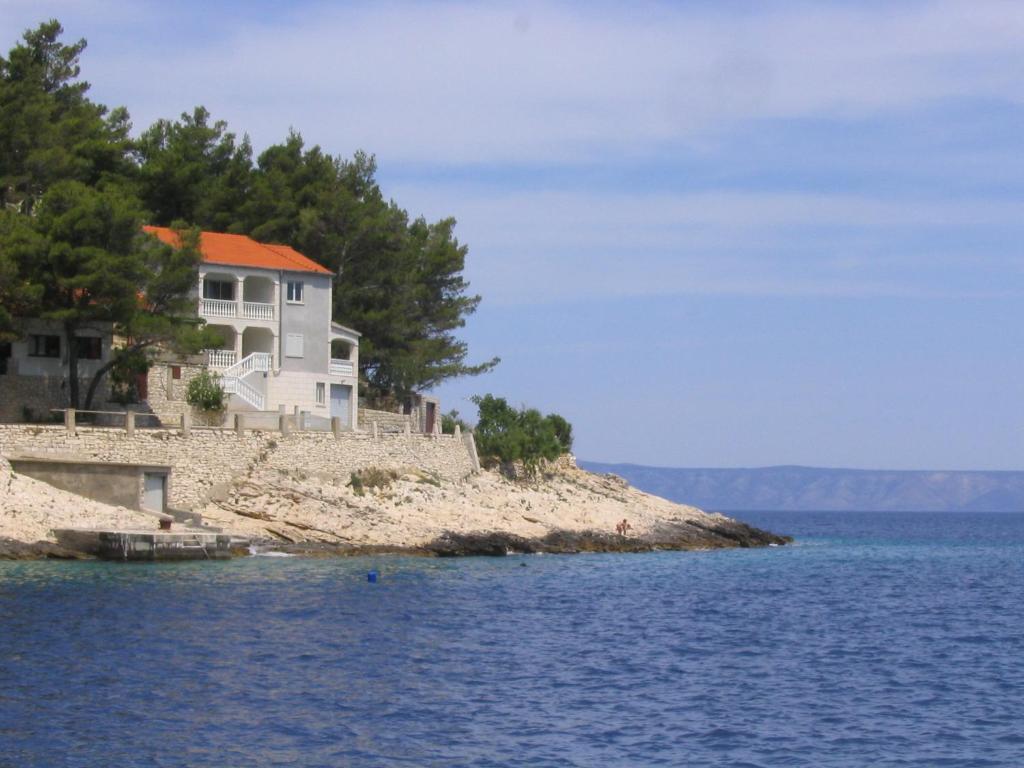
point(134, 486)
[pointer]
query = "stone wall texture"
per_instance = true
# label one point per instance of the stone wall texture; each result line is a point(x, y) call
point(34, 394)
point(386, 421)
point(166, 396)
point(204, 461)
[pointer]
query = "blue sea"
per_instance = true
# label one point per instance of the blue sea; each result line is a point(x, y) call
point(875, 640)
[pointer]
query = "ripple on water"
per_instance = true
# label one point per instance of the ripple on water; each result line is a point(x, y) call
point(878, 640)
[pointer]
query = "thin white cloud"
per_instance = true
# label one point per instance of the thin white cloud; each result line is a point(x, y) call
point(460, 82)
point(554, 246)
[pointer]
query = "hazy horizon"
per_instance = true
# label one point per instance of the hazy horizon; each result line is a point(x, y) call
point(753, 468)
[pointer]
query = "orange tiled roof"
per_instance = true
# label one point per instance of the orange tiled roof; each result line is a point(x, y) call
point(242, 251)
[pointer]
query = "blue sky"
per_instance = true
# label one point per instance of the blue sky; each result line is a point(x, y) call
point(710, 234)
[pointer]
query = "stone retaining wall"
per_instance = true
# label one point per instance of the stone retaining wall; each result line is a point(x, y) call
point(33, 396)
point(386, 421)
point(166, 396)
point(205, 461)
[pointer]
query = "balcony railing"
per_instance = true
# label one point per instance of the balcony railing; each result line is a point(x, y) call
point(251, 310)
point(218, 308)
point(220, 358)
point(341, 367)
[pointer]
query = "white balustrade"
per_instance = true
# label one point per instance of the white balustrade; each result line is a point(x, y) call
point(254, 310)
point(341, 367)
point(256, 361)
point(220, 358)
point(235, 386)
point(218, 308)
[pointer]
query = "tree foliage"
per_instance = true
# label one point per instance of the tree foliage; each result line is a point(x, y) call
point(71, 246)
point(164, 314)
point(194, 170)
point(85, 261)
point(399, 281)
point(18, 297)
point(451, 420)
point(50, 130)
point(69, 167)
point(507, 434)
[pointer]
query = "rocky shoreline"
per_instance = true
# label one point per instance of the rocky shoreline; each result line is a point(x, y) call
point(671, 537)
point(12, 549)
point(405, 511)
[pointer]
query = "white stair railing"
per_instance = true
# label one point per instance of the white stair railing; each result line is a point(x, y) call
point(233, 385)
point(257, 361)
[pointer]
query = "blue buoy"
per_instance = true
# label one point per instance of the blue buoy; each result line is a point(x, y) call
point(372, 577)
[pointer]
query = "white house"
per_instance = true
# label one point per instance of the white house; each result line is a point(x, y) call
point(34, 367)
point(42, 350)
point(272, 306)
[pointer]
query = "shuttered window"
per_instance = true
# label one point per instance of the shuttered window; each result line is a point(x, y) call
point(293, 345)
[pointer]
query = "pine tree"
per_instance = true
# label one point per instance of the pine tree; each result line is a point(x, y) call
point(71, 245)
point(193, 170)
point(50, 130)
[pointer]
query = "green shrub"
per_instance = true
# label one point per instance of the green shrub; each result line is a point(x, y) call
point(128, 366)
point(205, 392)
point(563, 431)
point(450, 420)
point(371, 477)
point(506, 434)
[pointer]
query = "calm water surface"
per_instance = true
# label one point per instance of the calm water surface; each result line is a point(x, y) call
point(882, 640)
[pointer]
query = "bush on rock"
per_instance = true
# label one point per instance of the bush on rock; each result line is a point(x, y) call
point(507, 434)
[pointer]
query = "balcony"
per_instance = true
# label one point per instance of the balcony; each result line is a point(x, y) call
point(220, 358)
point(218, 308)
point(341, 368)
point(247, 310)
point(254, 310)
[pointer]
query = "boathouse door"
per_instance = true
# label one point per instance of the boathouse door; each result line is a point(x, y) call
point(154, 496)
point(340, 395)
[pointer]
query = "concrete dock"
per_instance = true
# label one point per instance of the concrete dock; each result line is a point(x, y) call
point(149, 545)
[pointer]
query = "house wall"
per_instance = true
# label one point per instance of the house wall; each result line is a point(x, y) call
point(292, 388)
point(22, 363)
point(167, 395)
point(312, 319)
point(205, 461)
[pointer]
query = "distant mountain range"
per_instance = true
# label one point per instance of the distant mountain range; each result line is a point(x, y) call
point(814, 488)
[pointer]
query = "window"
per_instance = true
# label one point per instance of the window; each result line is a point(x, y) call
point(43, 346)
point(175, 372)
point(294, 291)
point(321, 393)
point(293, 345)
point(223, 290)
point(89, 347)
point(5, 352)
